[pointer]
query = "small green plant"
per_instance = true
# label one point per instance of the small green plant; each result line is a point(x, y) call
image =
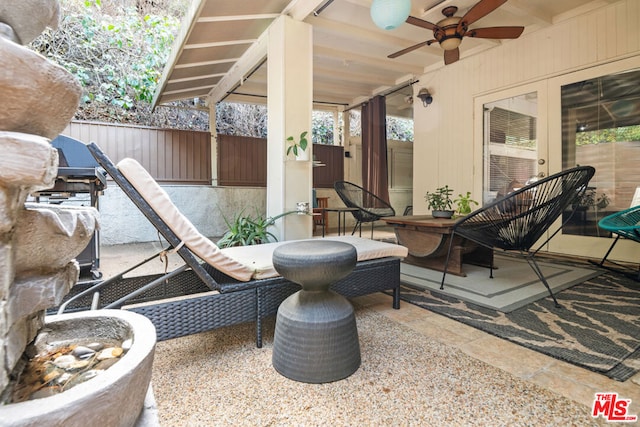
point(247, 230)
point(464, 203)
point(439, 200)
point(297, 146)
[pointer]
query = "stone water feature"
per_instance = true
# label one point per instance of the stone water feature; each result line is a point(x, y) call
point(38, 243)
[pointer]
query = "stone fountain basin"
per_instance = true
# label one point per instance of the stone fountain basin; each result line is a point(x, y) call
point(113, 398)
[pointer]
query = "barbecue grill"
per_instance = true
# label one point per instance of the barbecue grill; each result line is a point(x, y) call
point(79, 182)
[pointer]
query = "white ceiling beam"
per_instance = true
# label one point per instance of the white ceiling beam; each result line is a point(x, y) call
point(347, 30)
point(203, 63)
point(526, 9)
point(346, 74)
point(237, 18)
point(300, 9)
point(191, 89)
point(198, 77)
point(238, 72)
point(217, 44)
point(176, 51)
point(588, 7)
point(370, 60)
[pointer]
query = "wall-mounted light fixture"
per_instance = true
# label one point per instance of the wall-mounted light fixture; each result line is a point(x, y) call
point(389, 14)
point(425, 97)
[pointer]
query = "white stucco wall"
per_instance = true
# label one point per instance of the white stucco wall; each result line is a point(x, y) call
point(448, 145)
point(206, 207)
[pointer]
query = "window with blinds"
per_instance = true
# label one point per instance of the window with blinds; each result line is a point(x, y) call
point(511, 152)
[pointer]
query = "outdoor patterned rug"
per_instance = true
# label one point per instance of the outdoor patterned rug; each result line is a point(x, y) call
point(598, 326)
point(514, 283)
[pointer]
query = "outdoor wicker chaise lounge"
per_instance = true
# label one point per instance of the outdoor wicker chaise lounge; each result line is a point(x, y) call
point(216, 287)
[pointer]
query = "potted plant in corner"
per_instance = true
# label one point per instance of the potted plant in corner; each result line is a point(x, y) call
point(464, 203)
point(298, 148)
point(440, 202)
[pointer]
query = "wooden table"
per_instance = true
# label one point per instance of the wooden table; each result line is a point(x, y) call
point(428, 238)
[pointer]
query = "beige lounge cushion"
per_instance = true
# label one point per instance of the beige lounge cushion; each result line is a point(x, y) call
point(242, 262)
point(259, 257)
point(161, 203)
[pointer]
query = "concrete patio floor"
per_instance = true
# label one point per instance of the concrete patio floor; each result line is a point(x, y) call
point(577, 384)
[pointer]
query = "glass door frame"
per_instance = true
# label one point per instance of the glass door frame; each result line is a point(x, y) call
point(582, 246)
point(479, 128)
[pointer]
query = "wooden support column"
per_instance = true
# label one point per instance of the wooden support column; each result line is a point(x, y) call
point(289, 105)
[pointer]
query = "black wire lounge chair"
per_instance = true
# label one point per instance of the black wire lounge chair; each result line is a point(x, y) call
point(370, 207)
point(625, 224)
point(517, 221)
point(200, 296)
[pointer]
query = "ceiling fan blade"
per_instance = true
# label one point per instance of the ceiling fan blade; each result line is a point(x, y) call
point(451, 56)
point(421, 23)
point(495, 32)
point(479, 10)
point(410, 49)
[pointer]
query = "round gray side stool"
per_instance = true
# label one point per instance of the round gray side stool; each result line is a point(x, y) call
point(316, 338)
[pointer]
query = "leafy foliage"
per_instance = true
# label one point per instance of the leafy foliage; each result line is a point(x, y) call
point(249, 230)
point(117, 51)
point(241, 119)
point(439, 200)
point(398, 128)
point(301, 145)
point(465, 203)
point(625, 133)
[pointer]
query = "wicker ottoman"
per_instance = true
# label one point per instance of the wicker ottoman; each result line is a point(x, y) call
point(316, 338)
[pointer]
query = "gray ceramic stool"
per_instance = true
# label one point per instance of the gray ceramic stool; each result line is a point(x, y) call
point(316, 339)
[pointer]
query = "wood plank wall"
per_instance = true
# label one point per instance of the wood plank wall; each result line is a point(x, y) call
point(171, 156)
point(242, 161)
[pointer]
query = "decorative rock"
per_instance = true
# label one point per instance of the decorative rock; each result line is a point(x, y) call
point(29, 18)
point(25, 77)
point(64, 361)
point(82, 352)
point(27, 161)
point(95, 346)
point(110, 353)
point(35, 293)
point(7, 32)
point(37, 226)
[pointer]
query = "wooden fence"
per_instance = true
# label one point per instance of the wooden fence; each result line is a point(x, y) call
point(171, 156)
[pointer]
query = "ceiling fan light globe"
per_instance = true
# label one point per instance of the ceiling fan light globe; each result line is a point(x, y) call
point(450, 43)
point(390, 14)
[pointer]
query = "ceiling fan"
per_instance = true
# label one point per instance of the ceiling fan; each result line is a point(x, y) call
point(450, 31)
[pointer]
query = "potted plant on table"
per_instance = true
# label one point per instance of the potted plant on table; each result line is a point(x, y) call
point(440, 202)
point(464, 203)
